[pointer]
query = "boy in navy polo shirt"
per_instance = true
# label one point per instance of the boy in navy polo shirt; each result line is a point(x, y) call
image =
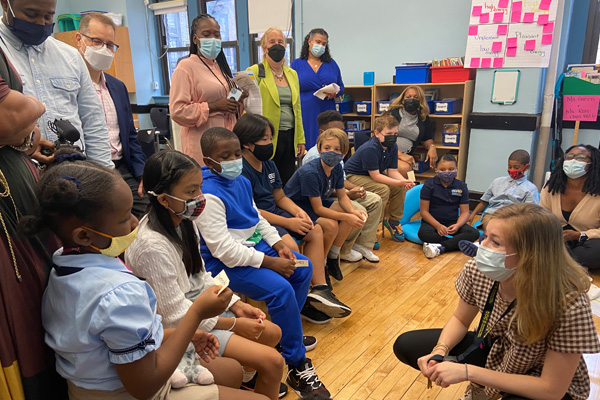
point(311, 186)
point(374, 166)
point(441, 198)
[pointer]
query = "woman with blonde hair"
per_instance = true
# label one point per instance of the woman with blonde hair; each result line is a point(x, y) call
point(415, 129)
point(536, 318)
point(280, 93)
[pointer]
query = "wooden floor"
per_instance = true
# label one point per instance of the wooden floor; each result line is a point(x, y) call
point(404, 291)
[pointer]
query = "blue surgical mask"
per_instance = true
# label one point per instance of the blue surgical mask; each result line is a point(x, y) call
point(28, 32)
point(210, 47)
point(317, 50)
point(491, 264)
point(331, 158)
point(574, 169)
point(229, 169)
point(446, 177)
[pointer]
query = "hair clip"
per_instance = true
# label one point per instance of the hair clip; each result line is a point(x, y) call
point(69, 157)
point(77, 183)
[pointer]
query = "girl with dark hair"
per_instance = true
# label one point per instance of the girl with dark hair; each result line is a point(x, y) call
point(573, 195)
point(167, 254)
point(99, 318)
point(316, 69)
point(200, 86)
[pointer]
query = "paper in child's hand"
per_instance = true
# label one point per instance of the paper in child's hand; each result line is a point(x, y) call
point(301, 263)
point(223, 280)
point(411, 175)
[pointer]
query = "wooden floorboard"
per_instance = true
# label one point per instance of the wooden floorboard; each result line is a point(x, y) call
point(404, 291)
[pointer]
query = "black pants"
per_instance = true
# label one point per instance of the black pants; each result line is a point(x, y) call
point(428, 233)
point(140, 204)
point(285, 155)
point(412, 345)
point(586, 253)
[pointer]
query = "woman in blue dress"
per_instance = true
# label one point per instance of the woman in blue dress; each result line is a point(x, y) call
point(315, 69)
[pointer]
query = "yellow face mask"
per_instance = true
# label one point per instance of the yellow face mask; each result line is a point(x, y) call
point(118, 244)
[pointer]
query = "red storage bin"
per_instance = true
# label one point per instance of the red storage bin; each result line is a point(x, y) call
point(453, 73)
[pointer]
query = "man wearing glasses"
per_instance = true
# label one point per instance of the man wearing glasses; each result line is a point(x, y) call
point(54, 73)
point(96, 41)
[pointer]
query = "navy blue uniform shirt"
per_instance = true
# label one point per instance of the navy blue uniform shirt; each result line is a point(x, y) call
point(310, 181)
point(444, 202)
point(372, 156)
point(263, 183)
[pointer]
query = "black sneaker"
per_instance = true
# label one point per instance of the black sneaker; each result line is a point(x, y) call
point(327, 278)
point(314, 316)
point(468, 248)
point(310, 342)
point(333, 267)
point(304, 381)
point(251, 384)
point(323, 299)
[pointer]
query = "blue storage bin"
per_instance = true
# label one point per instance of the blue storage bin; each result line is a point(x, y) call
point(344, 107)
point(363, 107)
point(412, 74)
point(421, 166)
point(451, 139)
point(431, 106)
point(448, 106)
point(383, 105)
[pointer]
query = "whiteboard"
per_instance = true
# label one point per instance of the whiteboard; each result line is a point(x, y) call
point(505, 86)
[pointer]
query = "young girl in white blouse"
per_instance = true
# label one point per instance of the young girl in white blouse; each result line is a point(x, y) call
point(166, 253)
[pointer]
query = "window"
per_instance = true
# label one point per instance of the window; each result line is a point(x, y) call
point(173, 30)
point(224, 12)
point(257, 52)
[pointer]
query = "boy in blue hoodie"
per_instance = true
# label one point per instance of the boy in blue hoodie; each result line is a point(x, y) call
point(258, 263)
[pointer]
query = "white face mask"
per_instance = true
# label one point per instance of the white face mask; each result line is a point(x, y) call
point(491, 264)
point(98, 58)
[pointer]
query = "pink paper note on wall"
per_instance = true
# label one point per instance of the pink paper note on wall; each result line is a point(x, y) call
point(511, 42)
point(547, 38)
point(543, 19)
point(486, 62)
point(511, 52)
point(475, 62)
point(496, 47)
point(476, 11)
point(473, 29)
point(530, 44)
point(502, 3)
point(502, 29)
point(549, 27)
point(484, 18)
point(498, 62)
point(517, 6)
point(528, 17)
point(515, 17)
point(498, 17)
point(544, 5)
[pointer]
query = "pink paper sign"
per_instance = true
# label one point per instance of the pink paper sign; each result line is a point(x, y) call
point(475, 62)
point(547, 39)
point(545, 5)
point(498, 17)
point(580, 108)
point(502, 3)
point(528, 17)
point(476, 11)
point(543, 19)
point(498, 61)
point(511, 52)
point(486, 62)
point(517, 6)
point(530, 44)
point(549, 27)
point(515, 17)
point(473, 30)
point(511, 42)
point(502, 30)
point(484, 18)
point(496, 47)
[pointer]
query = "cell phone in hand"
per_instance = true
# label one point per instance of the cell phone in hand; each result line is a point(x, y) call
point(235, 94)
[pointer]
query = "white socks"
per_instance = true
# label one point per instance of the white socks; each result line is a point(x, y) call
point(334, 252)
point(247, 375)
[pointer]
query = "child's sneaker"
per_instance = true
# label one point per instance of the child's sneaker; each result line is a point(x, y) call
point(333, 268)
point(314, 316)
point(376, 245)
point(309, 342)
point(432, 250)
point(323, 299)
point(366, 253)
point(394, 228)
point(352, 256)
point(468, 248)
point(476, 392)
point(251, 384)
point(304, 381)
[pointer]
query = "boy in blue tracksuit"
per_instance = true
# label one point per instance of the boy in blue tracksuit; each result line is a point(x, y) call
point(258, 263)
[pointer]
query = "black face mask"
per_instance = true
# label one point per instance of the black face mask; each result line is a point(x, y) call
point(389, 140)
point(263, 152)
point(411, 105)
point(276, 52)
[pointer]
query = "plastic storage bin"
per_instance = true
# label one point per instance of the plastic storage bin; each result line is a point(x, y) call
point(383, 105)
point(68, 22)
point(431, 106)
point(451, 139)
point(344, 107)
point(421, 166)
point(412, 74)
point(448, 106)
point(357, 125)
point(451, 73)
point(363, 107)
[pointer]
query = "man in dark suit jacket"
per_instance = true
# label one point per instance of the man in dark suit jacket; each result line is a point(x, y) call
point(96, 40)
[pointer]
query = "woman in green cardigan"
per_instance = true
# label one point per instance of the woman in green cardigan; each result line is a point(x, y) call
point(280, 92)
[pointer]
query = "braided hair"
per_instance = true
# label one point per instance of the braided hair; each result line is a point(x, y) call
point(221, 60)
point(326, 57)
point(558, 179)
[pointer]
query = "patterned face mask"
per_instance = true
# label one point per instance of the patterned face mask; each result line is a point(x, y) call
point(192, 207)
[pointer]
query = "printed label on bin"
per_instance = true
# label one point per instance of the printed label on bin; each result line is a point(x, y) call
point(337, 107)
point(451, 138)
point(384, 107)
point(361, 108)
point(441, 107)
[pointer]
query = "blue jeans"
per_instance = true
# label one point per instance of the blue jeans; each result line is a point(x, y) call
point(284, 297)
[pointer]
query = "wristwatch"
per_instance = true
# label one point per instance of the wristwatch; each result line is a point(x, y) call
point(583, 237)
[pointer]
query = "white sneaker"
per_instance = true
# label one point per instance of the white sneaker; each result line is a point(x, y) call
point(352, 256)
point(593, 292)
point(366, 253)
point(476, 392)
point(431, 250)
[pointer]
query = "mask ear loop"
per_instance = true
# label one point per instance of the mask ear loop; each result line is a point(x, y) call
point(10, 7)
point(99, 233)
point(166, 194)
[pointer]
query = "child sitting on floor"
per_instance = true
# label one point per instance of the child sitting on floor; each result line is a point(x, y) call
point(255, 133)
point(313, 183)
point(441, 198)
point(259, 264)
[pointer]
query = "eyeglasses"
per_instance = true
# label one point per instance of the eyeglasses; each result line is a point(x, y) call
point(578, 157)
point(96, 42)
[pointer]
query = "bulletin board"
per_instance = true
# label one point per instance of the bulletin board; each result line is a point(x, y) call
point(510, 33)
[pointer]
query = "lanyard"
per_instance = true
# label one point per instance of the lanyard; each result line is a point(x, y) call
point(217, 78)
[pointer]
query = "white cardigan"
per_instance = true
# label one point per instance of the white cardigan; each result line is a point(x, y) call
point(153, 257)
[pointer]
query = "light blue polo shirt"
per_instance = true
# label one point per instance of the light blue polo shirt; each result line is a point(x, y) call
point(96, 317)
